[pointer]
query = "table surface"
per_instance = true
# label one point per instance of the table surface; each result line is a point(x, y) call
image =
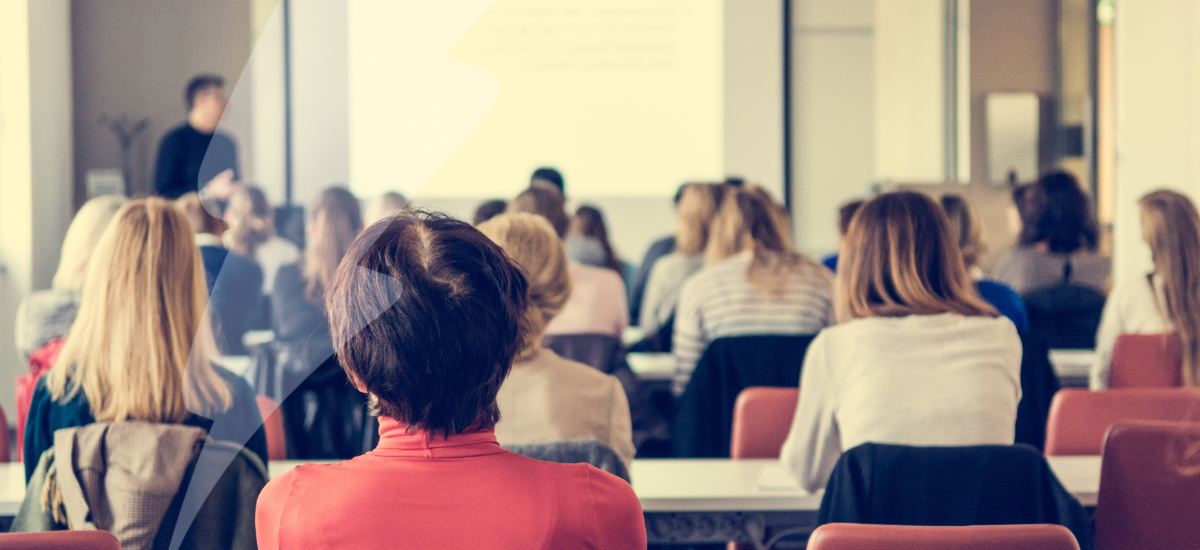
point(652, 366)
point(666, 485)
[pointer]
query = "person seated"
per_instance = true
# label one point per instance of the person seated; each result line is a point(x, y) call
point(139, 348)
point(1058, 239)
point(488, 210)
point(1166, 300)
point(383, 206)
point(234, 281)
point(641, 275)
point(547, 398)
point(431, 316)
point(967, 231)
point(845, 214)
point(918, 359)
point(549, 177)
point(752, 283)
point(252, 234)
point(587, 240)
point(697, 208)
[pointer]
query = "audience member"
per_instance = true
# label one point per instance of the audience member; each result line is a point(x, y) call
point(255, 237)
point(753, 282)
point(433, 362)
point(139, 348)
point(587, 240)
point(1166, 300)
point(488, 210)
point(845, 214)
point(194, 156)
point(234, 281)
point(966, 230)
point(694, 215)
point(641, 275)
point(919, 358)
point(549, 177)
point(545, 202)
point(547, 398)
point(383, 206)
point(1058, 239)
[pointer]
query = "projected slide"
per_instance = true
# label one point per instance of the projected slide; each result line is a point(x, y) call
point(624, 97)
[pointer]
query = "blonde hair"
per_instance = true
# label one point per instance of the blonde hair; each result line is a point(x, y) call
point(81, 238)
point(384, 206)
point(198, 214)
point(532, 243)
point(1171, 227)
point(698, 204)
point(900, 259)
point(749, 220)
point(336, 221)
point(249, 211)
point(965, 228)
point(141, 346)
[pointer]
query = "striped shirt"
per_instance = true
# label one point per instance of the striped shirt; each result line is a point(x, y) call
point(720, 301)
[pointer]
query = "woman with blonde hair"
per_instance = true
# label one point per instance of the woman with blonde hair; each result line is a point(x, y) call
point(252, 234)
point(1167, 299)
point(752, 283)
point(918, 358)
point(547, 398)
point(698, 204)
point(967, 231)
point(141, 347)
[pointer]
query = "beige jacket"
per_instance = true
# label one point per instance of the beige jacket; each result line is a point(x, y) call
point(548, 398)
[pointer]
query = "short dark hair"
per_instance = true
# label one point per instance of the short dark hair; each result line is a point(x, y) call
point(489, 210)
point(545, 202)
point(198, 85)
point(453, 319)
point(846, 213)
point(1056, 211)
point(551, 176)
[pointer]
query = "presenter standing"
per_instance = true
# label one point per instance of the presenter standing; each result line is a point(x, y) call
point(194, 156)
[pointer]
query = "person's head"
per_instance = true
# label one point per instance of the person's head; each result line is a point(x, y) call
point(588, 221)
point(845, 214)
point(199, 214)
point(80, 243)
point(900, 259)
point(548, 176)
point(453, 319)
point(1171, 227)
point(697, 207)
point(489, 210)
point(545, 202)
point(1060, 215)
point(749, 220)
point(252, 219)
point(383, 206)
point(140, 347)
point(965, 228)
point(335, 222)
point(532, 243)
point(205, 100)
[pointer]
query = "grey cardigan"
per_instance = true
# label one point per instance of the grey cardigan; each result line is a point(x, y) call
point(43, 316)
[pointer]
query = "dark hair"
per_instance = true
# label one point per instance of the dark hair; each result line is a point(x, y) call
point(453, 318)
point(551, 176)
point(589, 221)
point(545, 202)
point(489, 210)
point(846, 213)
point(198, 85)
point(1056, 211)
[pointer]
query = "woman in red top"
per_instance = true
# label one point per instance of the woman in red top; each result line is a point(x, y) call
point(427, 322)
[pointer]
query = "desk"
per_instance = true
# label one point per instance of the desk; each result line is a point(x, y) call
point(1072, 366)
point(652, 366)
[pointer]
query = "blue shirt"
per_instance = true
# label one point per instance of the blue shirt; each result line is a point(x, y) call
point(830, 261)
point(1006, 301)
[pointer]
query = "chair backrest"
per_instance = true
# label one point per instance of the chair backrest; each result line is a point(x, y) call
point(1065, 315)
point(762, 417)
point(1149, 486)
point(1080, 418)
point(853, 536)
point(602, 352)
point(273, 427)
point(1146, 361)
point(61, 540)
point(575, 451)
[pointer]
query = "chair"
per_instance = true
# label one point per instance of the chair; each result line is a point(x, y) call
point(600, 351)
point(273, 427)
point(61, 540)
point(852, 536)
point(1149, 486)
point(575, 451)
point(1066, 315)
point(762, 417)
point(1079, 418)
point(1146, 361)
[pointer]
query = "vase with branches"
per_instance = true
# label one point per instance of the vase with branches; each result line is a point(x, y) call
point(126, 131)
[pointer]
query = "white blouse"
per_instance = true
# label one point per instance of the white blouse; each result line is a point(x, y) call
point(1133, 307)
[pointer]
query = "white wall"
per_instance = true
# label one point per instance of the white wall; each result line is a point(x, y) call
point(754, 92)
point(910, 91)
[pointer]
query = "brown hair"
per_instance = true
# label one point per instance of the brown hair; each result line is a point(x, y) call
point(544, 201)
point(336, 221)
point(199, 215)
point(529, 241)
point(965, 228)
point(846, 213)
point(900, 259)
point(250, 212)
point(697, 207)
point(1171, 227)
point(750, 220)
point(589, 222)
point(1056, 211)
point(428, 317)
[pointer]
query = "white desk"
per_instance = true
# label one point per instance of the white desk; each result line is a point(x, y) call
point(652, 366)
point(632, 335)
point(1072, 365)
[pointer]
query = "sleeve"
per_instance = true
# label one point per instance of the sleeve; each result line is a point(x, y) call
point(38, 435)
point(268, 513)
point(688, 342)
point(620, 524)
point(1106, 337)
point(813, 445)
point(652, 298)
point(166, 169)
point(620, 426)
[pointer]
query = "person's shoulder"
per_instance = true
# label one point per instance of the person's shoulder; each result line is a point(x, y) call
point(990, 290)
point(554, 363)
point(177, 133)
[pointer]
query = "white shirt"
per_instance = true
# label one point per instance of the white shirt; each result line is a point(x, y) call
point(273, 254)
point(1132, 308)
point(662, 287)
point(927, 380)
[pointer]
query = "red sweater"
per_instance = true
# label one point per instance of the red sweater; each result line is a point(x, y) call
point(461, 492)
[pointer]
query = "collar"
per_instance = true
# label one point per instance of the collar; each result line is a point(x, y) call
point(397, 440)
point(208, 239)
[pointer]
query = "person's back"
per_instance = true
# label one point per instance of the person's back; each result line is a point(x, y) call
point(596, 306)
point(1027, 269)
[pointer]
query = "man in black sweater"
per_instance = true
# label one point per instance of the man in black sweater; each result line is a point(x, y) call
point(192, 156)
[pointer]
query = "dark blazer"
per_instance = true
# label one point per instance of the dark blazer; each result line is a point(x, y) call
point(1039, 383)
point(235, 290)
point(637, 282)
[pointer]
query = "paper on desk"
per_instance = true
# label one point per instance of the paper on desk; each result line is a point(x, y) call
point(774, 477)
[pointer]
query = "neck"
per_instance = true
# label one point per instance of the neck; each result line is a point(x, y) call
point(200, 124)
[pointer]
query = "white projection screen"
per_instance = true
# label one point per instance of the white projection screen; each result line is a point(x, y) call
point(465, 99)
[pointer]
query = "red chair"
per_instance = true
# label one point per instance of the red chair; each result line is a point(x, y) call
point(1146, 361)
point(762, 417)
point(1149, 486)
point(1080, 418)
point(61, 540)
point(273, 426)
point(853, 536)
